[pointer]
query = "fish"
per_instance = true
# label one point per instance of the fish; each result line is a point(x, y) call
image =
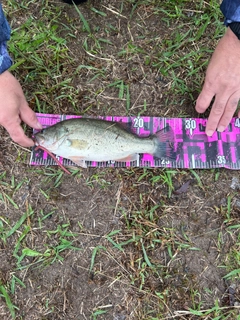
point(89, 139)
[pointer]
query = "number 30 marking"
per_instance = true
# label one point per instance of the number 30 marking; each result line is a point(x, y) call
point(191, 124)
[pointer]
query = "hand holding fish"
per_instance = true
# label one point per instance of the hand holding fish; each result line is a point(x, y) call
point(14, 109)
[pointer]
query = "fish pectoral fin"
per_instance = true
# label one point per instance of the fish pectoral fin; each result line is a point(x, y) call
point(79, 161)
point(77, 144)
point(131, 157)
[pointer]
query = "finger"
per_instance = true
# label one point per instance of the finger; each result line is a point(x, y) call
point(216, 113)
point(17, 134)
point(230, 108)
point(29, 117)
point(204, 99)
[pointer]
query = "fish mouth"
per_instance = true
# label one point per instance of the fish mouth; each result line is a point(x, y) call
point(39, 140)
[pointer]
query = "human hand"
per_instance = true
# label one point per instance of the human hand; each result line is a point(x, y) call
point(14, 109)
point(222, 82)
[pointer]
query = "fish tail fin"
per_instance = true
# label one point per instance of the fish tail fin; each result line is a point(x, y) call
point(164, 143)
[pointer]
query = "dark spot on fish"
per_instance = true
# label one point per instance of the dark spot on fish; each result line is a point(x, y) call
point(66, 129)
point(117, 137)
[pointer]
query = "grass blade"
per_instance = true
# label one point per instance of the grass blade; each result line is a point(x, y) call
point(85, 23)
point(8, 300)
point(20, 222)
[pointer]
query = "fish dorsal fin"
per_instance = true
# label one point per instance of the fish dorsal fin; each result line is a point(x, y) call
point(127, 126)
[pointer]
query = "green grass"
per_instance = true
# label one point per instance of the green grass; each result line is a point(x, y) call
point(41, 51)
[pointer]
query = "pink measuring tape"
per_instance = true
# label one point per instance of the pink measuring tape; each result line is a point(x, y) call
point(193, 149)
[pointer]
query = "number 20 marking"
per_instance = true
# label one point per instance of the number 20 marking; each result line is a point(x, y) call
point(138, 123)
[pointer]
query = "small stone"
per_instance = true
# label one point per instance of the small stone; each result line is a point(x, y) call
point(190, 14)
point(223, 202)
point(237, 204)
point(235, 183)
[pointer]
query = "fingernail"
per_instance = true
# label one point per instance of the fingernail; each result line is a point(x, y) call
point(38, 126)
point(220, 128)
point(209, 133)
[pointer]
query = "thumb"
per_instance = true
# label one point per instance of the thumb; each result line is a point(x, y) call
point(28, 116)
point(17, 134)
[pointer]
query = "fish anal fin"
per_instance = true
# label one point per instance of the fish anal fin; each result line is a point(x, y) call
point(79, 161)
point(131, 157)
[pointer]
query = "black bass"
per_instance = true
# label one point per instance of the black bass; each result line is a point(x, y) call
point(85, 139)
